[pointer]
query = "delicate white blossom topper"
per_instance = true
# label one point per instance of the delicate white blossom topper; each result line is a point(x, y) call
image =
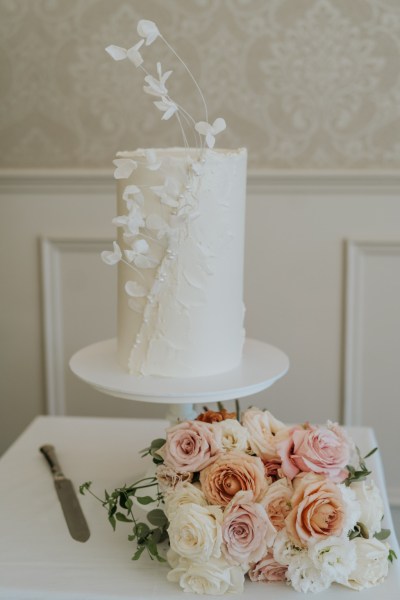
point(156, 87)
point(148, 30)
point(133, 54)
point(132, 193)
point(168, 107)
point(210, 131)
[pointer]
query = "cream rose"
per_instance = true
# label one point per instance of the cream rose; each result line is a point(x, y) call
point(232, 473)
point(183, 493)
point(195, 532)
point(321, 450)
point(372, 563)
point(246, 530)
point(267, 569)
point(262, 428)
point(215, 577)
point(233, 435)
point(317, 509)
point(371, 505)
point(277, 502)
point(190, 446)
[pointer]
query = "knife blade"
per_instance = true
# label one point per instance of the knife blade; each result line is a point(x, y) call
point(71, 508)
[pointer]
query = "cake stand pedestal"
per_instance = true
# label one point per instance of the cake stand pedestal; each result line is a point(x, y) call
point(261, 366)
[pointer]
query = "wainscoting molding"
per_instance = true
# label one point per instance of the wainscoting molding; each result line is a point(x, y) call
point(366, 307)
point(55, 361)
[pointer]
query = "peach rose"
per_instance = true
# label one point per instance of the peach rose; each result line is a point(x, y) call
point(323, 450)
point(267, 569)
point(277, 502)
point(317, 509)
point(246, 530)
point(232, 473)
point(262, 428)
point(190, 446)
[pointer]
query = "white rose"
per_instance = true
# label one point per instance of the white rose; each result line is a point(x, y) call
point(195, 532)
point(183, 493)
point(233, 435)
point(372, 563)
point(335, 557)
point(262, 427)
point(371, 504)
point(352, 509)
point(215, 577)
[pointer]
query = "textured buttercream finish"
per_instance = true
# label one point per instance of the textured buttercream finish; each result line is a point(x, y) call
point(191, 323)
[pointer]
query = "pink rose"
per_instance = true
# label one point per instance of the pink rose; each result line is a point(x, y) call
point(246, 530)
point(273, 469)
point(317, 511)
point(190, 446)
point(277, 502)
point(231, 473)
point(323, 450)
point(267, 569)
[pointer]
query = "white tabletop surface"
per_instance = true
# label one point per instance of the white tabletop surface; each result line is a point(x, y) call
point(40, 561)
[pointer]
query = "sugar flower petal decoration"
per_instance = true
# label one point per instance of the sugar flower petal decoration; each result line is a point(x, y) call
point(134, 55)
point(112, 257)
point(168, 192)
point(116, 52)
point(125, 167)
point(149, 30)
point(134, 289)
point(153, 164)
point(168, 107)
point(158, 224)
point(157, 87)
point(132, 192)
point(210, 131)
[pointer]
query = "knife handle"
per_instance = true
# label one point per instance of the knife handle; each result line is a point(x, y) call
point(49, 452)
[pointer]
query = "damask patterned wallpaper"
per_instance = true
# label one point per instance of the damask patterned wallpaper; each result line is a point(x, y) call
point(302, 83)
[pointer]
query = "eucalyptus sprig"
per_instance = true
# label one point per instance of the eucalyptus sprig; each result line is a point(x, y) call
point(153, 449)
point(119, 507)
point(360, 473)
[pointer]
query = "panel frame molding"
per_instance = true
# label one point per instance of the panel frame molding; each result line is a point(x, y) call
point(52, 249)
point(356, 251)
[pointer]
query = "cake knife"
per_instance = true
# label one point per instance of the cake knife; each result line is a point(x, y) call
point(72, 510)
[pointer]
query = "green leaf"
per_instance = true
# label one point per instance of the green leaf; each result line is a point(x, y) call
point(157, 444)
point(128, 504)
point(138, 553)
point(383, 534)
point(151, 546)
point(392, 555)
point(84, 487)
point(160, 558)
point(113, 522)
point(121, 517)
point(371, 452)
point(158, 518)
point(141, 530)
point(145, 499)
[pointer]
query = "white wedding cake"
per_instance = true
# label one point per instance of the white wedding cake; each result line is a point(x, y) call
point(180, 247)
point(180, 287)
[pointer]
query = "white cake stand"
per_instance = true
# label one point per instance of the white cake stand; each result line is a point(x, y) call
point(262, 365)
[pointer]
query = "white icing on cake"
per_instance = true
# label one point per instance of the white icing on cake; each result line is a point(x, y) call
point(183, 313)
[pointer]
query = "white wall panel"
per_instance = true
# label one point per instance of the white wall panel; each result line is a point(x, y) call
point(373, 346)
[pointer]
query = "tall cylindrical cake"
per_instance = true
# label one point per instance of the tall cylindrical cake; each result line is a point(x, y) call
point(180, 282)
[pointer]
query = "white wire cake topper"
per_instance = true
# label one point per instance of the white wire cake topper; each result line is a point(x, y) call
point(178, 195)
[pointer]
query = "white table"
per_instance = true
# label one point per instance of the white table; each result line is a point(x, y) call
point(38, 558)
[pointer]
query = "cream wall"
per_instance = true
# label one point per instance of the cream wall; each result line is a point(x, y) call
point(312, 88)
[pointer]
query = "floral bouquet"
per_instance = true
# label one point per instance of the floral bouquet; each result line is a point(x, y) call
point(257, 498)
